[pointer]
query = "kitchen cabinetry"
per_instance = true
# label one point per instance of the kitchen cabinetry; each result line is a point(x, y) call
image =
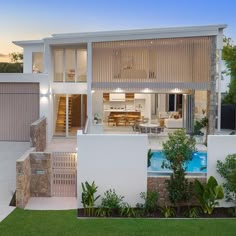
point(117, 96)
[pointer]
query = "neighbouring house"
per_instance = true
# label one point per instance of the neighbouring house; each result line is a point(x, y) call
point(145, 74)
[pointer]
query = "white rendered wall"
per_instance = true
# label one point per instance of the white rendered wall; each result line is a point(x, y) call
point(114, 162)
point(219, 146)
point(97, 103)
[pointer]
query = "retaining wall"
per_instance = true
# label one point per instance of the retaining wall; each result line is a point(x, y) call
point(38, 134)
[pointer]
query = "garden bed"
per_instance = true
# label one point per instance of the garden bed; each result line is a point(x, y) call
point(183, 213)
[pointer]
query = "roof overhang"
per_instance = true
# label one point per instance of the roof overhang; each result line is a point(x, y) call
point(28, 42)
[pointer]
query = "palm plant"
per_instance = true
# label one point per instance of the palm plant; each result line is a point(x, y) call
point(88, 197)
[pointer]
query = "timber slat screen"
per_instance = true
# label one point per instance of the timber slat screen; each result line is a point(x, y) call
point(158, 63)
point(64, 174)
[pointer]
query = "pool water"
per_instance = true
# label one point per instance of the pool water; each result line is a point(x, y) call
point(196, 165)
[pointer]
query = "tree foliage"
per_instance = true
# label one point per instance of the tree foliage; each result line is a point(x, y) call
point(229, 56)
point(16, 57)
point(178, 150)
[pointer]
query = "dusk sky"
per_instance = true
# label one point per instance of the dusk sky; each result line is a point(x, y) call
point(27, 19)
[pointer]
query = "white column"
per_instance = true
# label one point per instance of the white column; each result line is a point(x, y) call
point(89, 82)
point(219, 90)
point(219, 49)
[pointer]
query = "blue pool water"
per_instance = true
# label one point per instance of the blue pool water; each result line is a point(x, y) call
point(196, 165)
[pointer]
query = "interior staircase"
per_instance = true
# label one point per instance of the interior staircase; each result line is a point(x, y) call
point(61, 115)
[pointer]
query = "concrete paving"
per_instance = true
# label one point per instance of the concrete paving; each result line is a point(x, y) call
point(9, 153)
point(62, 145)
point(51, 203)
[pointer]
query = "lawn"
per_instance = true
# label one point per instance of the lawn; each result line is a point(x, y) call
point(50, 223)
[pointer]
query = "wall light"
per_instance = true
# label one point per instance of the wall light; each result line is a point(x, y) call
point(119, 90)
point(176, 90)
point(146, 90)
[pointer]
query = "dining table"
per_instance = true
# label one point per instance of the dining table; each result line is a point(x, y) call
point(149, 127)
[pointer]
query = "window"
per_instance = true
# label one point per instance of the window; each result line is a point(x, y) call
point(58, 65)
point(37, 60)
point(70, 65)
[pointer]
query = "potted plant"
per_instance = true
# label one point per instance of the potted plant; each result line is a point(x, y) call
point(197, 133)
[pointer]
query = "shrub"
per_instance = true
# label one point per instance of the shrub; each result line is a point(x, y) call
point(227, 170)
point(111, 203)
point(150, 202)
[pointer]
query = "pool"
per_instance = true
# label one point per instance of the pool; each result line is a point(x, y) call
point(197, 166)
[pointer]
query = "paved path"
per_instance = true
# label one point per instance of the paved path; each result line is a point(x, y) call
point(51, 203)
point(9, 153)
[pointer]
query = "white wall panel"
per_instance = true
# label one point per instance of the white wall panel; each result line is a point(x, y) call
point(114, 162)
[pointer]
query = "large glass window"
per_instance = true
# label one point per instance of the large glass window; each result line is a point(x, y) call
point(58, 65)
point(37, 66)
point(82, 65)
point(70, 65)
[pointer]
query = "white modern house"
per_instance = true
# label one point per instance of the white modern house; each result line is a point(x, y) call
point(147, 73)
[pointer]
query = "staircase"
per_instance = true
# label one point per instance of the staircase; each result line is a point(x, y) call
point(61, 115)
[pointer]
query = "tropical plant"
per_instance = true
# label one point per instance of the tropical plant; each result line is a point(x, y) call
point(150, 202)
point(198, 125)
point(88, 197)
point(149, 156)
point(192, 212)
point(111, 203)
point(208, 194)
point(127, 210)
point(168, 211)
point(178, 151)
point(227, 170)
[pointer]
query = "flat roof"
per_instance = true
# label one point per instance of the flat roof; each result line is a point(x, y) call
point(142, 31)
point(134, 34)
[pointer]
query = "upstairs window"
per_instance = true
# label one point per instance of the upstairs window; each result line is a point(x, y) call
point(37, 62)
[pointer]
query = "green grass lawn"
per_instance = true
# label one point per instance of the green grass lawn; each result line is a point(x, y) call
point(40, 223)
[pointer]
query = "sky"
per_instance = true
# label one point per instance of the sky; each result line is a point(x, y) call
point(28, 19)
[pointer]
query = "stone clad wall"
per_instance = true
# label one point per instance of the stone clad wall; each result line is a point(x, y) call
point(41, 171)
point(38, 134)
point(23, 172)
point(158, 184)
point(33, 176)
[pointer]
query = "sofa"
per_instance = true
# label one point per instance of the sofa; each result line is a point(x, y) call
point(172, 123)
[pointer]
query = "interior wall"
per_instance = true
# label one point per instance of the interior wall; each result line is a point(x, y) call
point(97, 103)
point(75, 111)
point(200, 104)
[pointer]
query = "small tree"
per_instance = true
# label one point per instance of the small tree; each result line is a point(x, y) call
point(178, 150)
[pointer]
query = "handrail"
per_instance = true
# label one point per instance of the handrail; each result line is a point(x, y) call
point(85, 130)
